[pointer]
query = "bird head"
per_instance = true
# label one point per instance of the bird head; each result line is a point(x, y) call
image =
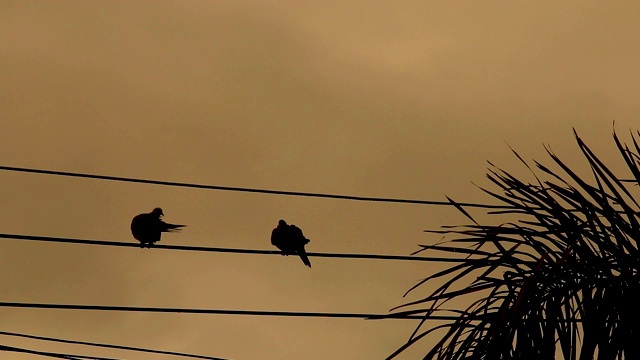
point(282, 223)
point(157, 212)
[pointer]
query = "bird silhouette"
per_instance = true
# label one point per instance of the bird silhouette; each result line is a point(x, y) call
point(148, 227)
point(290, 240)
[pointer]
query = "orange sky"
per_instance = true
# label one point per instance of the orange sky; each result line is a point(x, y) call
point(396, 99)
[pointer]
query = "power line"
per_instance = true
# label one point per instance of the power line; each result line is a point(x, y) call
point(120, 347)
point(220, 312)
point(52, 354)
point(222, 250)
point(241, 189)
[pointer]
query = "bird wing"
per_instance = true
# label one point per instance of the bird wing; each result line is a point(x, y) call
point(297, 238)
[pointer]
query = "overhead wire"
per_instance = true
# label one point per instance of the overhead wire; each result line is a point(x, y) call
point(245, 189)
point(221, 250)
point(224, 250)
point(224, 312)
point(110, 346)
point(52, 354)
point(228, 250)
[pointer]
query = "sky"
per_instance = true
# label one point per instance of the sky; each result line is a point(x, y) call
point(405, 99)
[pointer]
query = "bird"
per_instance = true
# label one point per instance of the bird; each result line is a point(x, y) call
point(148, 227)
point(290, 240)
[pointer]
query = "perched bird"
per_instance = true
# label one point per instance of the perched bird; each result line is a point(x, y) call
point(147, 228)
point(290, 240)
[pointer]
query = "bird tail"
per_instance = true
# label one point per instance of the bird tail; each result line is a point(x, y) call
point(174, 227)
point(305, 258)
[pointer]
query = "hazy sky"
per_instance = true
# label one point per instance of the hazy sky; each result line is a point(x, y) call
point(374, 98)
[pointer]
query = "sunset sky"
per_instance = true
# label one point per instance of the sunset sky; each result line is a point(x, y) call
point(404, 99)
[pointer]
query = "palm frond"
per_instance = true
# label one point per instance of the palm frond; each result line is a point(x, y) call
point(564, 277)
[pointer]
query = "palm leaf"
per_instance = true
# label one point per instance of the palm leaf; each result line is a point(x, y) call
point(564, 277)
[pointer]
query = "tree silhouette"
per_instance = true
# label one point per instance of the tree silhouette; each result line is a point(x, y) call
point(557, 277)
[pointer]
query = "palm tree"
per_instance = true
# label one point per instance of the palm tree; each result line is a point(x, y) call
point(559, 278)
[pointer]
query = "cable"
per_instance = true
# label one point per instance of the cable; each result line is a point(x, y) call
point(240, 189)
point(52, 354)
point(33, 352)
point(219, 312)
point(223, 250)
point(120, 347)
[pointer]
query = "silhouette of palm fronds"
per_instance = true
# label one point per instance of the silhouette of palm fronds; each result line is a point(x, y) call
point(560, 277)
